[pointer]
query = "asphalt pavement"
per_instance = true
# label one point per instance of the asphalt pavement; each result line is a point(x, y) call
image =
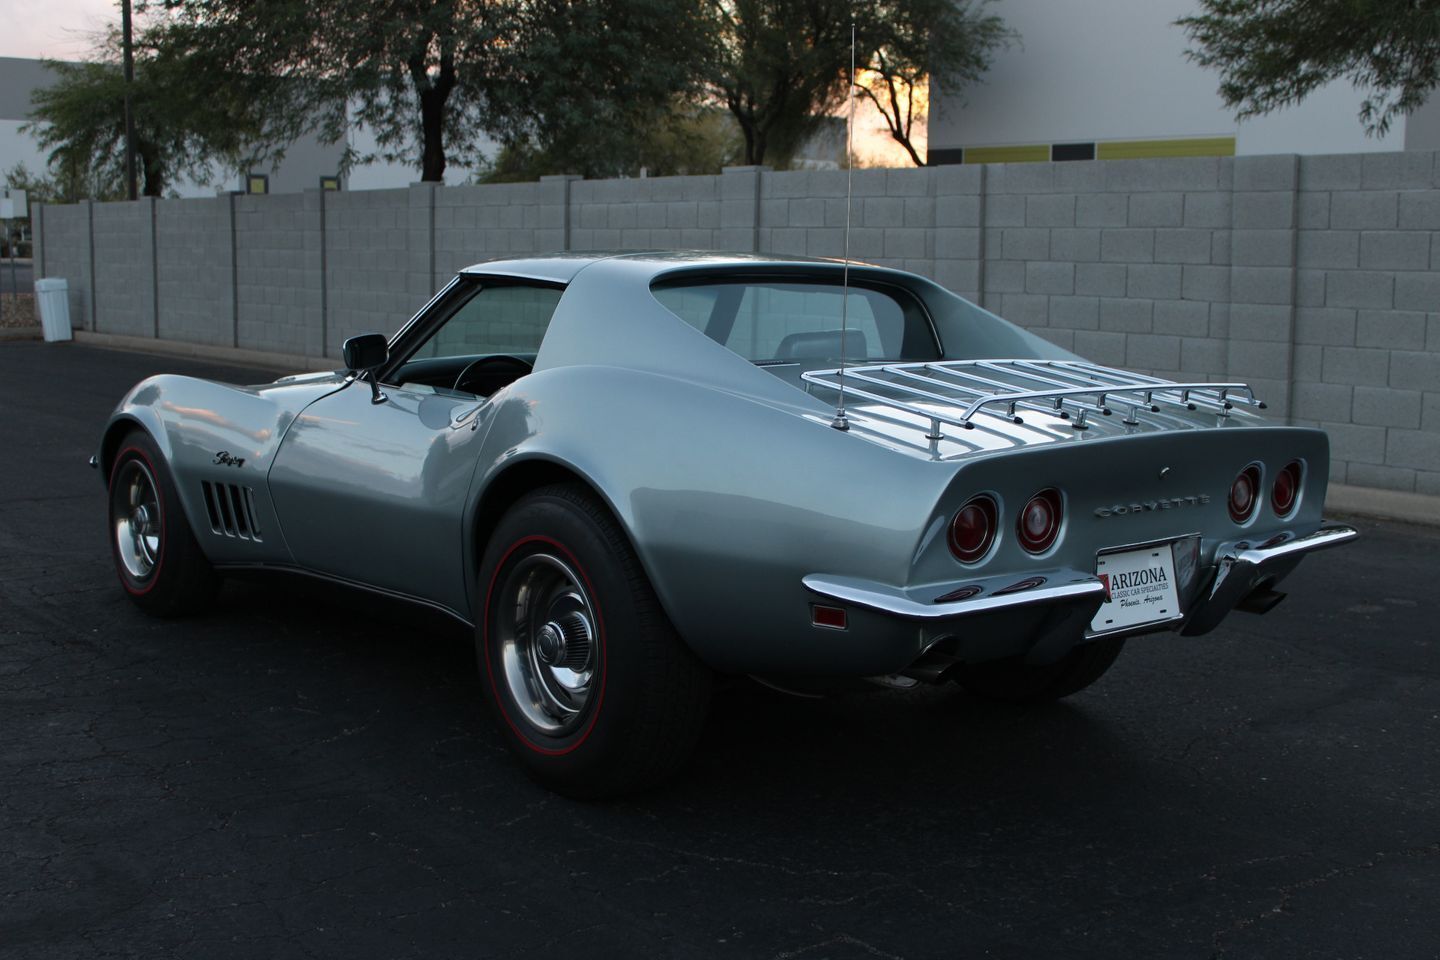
point(309, 772)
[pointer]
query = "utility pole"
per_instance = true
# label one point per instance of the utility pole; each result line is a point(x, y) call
point(129, 55)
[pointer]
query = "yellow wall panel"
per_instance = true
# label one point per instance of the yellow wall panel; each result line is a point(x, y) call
point(1035, 153)
point(1143, 149)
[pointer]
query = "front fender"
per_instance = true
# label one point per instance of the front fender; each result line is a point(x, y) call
point(217, 432)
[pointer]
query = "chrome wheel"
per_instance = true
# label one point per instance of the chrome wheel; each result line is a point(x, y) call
point(545, 626)
point(136, 518)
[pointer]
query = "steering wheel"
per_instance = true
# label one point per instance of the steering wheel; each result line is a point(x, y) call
point(486, 375)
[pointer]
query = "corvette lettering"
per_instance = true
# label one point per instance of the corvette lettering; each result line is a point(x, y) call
point(224, 459)
point(1147, 506)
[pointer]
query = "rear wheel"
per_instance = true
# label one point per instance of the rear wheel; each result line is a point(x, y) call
point(1014, 681)
point(596, 693)
point(159, 562)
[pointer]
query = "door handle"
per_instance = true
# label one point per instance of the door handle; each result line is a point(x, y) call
point(462, 416)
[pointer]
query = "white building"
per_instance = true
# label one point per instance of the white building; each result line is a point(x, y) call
point(1109, 79)
point(306, 161)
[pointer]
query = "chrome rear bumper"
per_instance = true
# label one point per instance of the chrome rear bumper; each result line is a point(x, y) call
point(1244, 569)
point(1006, 616)
point(1059, 587)
point(1044, 620)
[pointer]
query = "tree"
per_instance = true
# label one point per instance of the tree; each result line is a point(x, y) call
point(912, 43)
point(780, 66)
point(184, 123)
point(1272, 53)
point(597, 87)
point(690, 141)
point(62, 186)
point(394, 66)
point(570, 79)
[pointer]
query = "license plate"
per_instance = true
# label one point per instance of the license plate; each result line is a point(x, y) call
point(1139, 588)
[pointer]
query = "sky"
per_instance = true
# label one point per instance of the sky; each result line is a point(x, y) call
point(58, 29)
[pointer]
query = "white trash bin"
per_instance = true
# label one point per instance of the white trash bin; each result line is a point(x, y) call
point(52, 294)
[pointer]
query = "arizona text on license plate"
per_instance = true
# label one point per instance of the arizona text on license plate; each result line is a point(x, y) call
point(1139, 588)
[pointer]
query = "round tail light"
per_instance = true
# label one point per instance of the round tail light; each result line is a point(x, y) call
point(1039, 521)
point(1244, 494)
point(972, 532)
point(1286, 489)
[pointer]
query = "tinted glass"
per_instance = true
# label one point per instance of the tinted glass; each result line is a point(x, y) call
point(507, 319)
point(798, 321)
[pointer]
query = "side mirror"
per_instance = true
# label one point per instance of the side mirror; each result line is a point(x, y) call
point(366, 351)
point(364, 354)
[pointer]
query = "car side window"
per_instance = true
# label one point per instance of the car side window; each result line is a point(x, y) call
point(508, 319)
point(803, 321)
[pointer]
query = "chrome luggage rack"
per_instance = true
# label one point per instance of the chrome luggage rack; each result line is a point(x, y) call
point(1068, 389)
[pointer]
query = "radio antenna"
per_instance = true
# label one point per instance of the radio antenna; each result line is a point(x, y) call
point(841, 421)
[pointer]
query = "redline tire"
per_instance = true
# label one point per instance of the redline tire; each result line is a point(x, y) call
point(160, 565)
point(1014, 681)
point(593, 690)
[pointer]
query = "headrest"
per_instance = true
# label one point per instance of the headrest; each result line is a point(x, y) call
point(822, 345)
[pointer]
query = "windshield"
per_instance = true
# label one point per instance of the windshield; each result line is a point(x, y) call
point(770, 321)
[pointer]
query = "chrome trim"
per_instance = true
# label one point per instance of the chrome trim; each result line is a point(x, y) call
point(545, 631)
point(137, 519)
point(1065, 382)
point(462, 415)
point(1242, 569)
point(1141, 545)
point(1329, 535)
point(895, 601)
point(424, 309)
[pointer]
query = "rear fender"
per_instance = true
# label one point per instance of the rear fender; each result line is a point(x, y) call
point(726, 520)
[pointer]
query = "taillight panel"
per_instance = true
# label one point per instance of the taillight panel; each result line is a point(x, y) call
point(1244, 494)
point(973, 528)
point(1038, 525)
point(1285, 491)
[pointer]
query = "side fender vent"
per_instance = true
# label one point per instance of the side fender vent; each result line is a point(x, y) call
point(231, 508)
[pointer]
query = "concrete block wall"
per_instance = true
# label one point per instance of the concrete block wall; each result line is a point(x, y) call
point(1315, 279)
point(664, 213)
point(62, 249)
point(892, 215)
point(195, 273)
point(124, 281)
point(278, 254)
point(1125, 262)
point(1367, 320)
point(367, 241)
point(478, 223)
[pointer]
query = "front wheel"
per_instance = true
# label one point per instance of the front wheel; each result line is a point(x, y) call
point(1015, 681)
point(596, 693)
point(159, 562)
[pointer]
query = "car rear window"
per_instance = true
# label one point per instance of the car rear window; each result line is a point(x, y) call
point(799, 322)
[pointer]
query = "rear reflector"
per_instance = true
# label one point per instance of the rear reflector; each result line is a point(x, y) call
point(964, 593)
point(1029, 583)
point(832, 617)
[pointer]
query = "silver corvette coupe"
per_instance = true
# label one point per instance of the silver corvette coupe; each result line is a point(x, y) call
point(631, 472)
